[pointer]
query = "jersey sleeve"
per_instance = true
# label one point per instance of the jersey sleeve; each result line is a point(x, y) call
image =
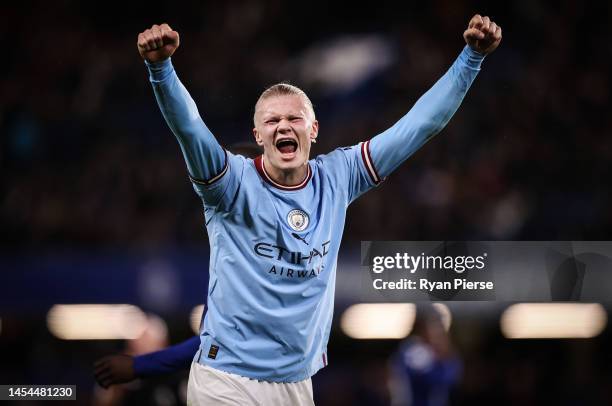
point(428, 116)
point(352, 170)
point(172, 359)
point(219, 192)
point(207, 162)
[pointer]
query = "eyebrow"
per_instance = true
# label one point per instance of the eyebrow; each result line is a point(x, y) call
point(268, 116)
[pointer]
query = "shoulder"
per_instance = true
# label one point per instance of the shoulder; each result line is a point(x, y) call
point(340, 155)
point(238, 162)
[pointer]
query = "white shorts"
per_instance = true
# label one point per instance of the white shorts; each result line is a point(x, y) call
point(209, 386)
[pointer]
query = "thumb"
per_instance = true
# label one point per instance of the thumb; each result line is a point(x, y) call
point(473, 34)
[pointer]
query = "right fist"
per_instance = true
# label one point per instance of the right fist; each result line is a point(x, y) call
point(158, 43)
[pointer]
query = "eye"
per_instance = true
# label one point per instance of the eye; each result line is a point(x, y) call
point(272, 121)
point(295, 119)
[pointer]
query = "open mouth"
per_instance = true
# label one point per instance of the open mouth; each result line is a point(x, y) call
point(286, 145)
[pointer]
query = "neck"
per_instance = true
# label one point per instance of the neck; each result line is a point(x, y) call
point(286, 177)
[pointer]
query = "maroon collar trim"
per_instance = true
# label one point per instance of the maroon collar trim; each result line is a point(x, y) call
point(261, 169)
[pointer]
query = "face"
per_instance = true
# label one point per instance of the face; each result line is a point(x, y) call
point(285, 128)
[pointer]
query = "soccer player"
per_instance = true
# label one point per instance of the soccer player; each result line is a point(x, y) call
point(275, 223)
point(425, 369)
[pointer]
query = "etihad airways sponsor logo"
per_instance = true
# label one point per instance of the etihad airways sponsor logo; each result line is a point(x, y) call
point(297, 259)
point(277, 252)
point(295, 273)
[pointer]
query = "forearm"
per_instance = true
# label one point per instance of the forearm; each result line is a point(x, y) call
point(170, 360)
point(204, 157)
point(427, 117)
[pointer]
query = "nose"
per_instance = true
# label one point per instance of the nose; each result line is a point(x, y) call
point(283, 126)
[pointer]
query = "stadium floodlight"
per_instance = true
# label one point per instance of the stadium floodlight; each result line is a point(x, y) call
point(378, 320)
point(195, 318)
point(553, 320)
point(96, 321)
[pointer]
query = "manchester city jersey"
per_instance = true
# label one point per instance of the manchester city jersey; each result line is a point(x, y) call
point(274, 248)
point(273, 264)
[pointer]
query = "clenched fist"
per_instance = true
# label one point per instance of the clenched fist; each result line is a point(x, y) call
point(158, 43)
point(482, 34)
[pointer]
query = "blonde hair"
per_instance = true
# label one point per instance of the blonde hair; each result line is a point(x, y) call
point(283, 89)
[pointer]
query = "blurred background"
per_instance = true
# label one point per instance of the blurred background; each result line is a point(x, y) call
point(96, 207)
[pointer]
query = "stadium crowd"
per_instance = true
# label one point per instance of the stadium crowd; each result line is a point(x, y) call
point(86, 158)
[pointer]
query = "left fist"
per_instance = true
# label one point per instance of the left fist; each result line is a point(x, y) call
point(482, 34)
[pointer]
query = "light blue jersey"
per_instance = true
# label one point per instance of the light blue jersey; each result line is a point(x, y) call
point(274, 248)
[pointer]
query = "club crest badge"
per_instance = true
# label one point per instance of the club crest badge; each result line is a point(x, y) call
point(297, 219)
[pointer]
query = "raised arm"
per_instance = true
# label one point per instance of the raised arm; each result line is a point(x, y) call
point(205, 158)
point(436, 107)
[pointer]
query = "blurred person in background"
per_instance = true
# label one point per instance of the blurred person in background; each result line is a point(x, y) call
point(425, 368)
point(275, 223)
point(145, 359)
point(123, 368)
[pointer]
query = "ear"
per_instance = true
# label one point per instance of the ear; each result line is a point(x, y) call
point(258, 139)
point(314, 132)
